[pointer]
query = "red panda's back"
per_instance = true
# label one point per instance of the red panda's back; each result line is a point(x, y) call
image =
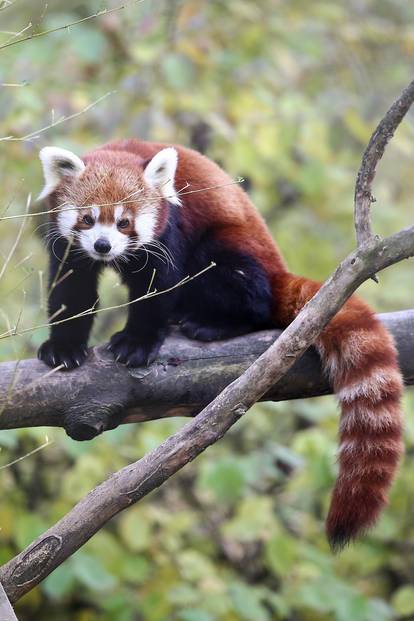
point(211, 200)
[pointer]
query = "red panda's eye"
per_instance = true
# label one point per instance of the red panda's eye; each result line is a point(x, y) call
point(123, 224)
point(87, 219)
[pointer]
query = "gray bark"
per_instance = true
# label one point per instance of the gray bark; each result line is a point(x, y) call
point(372, 155)
point(186, 376)
point(6, 610)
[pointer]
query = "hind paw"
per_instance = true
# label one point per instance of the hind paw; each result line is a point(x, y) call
point(204, 332)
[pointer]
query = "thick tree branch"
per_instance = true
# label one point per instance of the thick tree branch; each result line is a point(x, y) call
point(133, 482)
point(175, 385)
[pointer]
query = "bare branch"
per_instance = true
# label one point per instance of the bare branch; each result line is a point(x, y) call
point(43, 33)
point(34, 396)
point(373, 153)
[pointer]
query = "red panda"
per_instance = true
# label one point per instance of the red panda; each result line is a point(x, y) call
point(136, 206)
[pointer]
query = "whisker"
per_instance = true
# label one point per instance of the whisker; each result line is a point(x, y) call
point(160, 257)
point(146, 261)
point(169, 259)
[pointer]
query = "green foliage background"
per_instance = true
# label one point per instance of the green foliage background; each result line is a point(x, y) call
point(285, 93)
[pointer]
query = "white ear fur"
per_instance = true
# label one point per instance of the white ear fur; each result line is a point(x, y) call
point(160, 173)
point(58, 163)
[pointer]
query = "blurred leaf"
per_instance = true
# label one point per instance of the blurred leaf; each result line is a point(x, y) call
point(135, 569)
point(225, 478)
point(247, 603)
point(9, 440)
point(281, 553)
point(27, 527)
point(253, 520)
point(359, 129)
point(194, 566)
point(91, 573)
point(379, 611)
point(88, 44)
point(178, 71)
point(135, 530)
point(403, 600)
point(194, 614)
point(60, 582)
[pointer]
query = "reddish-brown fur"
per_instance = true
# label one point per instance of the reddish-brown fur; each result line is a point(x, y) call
point(356, 350)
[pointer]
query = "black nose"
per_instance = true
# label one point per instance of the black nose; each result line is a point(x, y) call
point(102, 245)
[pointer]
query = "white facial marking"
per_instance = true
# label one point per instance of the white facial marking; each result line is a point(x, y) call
point(145, 224)
point(119, 241)
point(66, 220)
point(118, 212)
point(160, 174)
point(57, 164)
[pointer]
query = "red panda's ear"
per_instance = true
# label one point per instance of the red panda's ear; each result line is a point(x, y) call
point(160, 173)
point(58, 163)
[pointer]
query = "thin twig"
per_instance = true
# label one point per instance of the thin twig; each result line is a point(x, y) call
point(61, 264)
point(210, 187)
point(16, 241)
point(13, 84)
point(94, 311)
point(43, 33)
point(62, 207)
point(6, 4)
point(63, 119)
point(36, 450)
point(15, 35)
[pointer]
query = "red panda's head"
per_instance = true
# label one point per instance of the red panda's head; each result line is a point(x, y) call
point(110, 203)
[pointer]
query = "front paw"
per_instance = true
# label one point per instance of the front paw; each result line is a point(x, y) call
point(65, 355)
point(133, 351)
